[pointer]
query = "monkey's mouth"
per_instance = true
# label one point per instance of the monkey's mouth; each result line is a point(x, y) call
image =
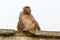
point(27, 13)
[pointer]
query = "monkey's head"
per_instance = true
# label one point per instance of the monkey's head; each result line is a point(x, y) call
point(27, 10)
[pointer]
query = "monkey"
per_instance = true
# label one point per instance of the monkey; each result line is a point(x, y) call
point(27, 21)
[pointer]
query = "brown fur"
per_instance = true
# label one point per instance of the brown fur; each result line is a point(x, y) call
point(27, 22)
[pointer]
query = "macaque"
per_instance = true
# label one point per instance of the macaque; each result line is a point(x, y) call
point(27, 21)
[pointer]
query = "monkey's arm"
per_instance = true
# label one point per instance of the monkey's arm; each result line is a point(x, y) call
point(20, 24)
point(37, 26)
point(36, 23)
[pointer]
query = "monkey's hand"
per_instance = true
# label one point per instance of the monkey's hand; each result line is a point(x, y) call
point(32, 26)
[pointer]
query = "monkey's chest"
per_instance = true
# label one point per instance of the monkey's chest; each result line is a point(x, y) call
point(27, 21)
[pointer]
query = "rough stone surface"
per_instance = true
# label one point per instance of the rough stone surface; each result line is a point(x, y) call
point(7, 32)
point(37, 35)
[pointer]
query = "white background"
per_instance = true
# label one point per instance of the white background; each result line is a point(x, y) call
point(46, 12)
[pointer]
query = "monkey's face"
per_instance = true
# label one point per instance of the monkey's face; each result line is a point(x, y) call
point(27, 10)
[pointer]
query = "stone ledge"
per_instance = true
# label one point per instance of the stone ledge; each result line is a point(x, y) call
point(50, 33)
point(7, 32)
point(43, 34)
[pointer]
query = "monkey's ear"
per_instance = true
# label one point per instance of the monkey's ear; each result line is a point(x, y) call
point(23, 8)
